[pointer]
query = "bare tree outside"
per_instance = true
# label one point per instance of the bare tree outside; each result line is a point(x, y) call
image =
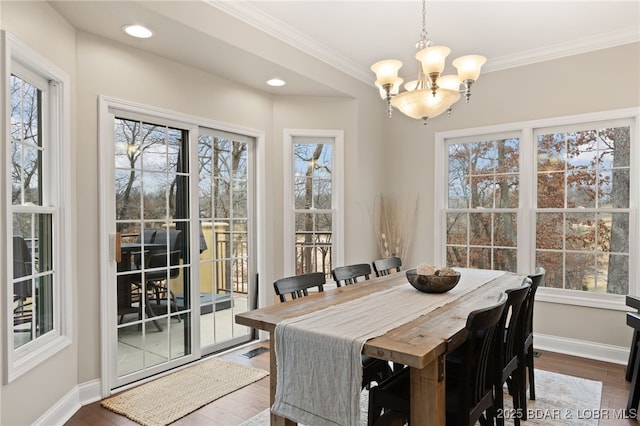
point(32, 224)
point(223, 170)
point(149, 161)
point(483, 196)
point(26, 149)
point(585, 247)
point(312, 198)
point(582, 217)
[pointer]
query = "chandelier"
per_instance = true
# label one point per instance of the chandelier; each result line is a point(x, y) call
point(431, 93)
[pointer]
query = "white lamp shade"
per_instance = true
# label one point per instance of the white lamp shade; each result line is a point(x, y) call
point(411, 85)
point(386, 71)
point(395, 88)
point(451, 82)
point(421, 104)
point(469, 66)
point(432, 58)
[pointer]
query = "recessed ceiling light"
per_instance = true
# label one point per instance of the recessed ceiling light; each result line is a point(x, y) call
point(276, 82)
point(137, 31)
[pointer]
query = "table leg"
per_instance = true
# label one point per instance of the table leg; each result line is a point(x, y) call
point(273, 380)
point(428, 394)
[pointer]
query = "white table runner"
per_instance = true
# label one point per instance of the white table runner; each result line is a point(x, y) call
point(318, 355)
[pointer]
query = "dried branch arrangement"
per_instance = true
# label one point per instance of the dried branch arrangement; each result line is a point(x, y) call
point(395, 225)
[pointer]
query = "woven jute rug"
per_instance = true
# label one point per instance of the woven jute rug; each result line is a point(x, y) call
point(560, 400)
point(165, 400)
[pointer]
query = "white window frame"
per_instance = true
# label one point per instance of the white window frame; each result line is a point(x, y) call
point(337, 188)
point(56, 200)
point(107, 106)
point(526, 211)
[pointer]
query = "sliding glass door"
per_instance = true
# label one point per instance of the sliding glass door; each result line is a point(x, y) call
point(227, 260)
point(153, 247)
point(178, 242)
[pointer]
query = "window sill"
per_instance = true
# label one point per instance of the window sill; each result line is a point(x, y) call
point(578, 298)
point(28, 359)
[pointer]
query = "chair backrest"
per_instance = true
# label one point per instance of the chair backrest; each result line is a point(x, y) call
point(172, 237)
point(22, 266)
point(21, 257)
point(298, 285)
point(633, 302)
point(387, 265)
point(633, 320)
point(349, 274)
point(147, 236)
point(537, 278)
point(158, 259)
point(513, 322)
point(478, 353)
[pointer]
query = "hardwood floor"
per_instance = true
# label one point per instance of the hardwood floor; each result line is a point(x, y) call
point(243, 404)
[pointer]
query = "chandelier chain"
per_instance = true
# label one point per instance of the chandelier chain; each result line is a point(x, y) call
point(423, 33)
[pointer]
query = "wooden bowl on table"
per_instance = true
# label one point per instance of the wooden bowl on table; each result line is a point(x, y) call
point(432, 283)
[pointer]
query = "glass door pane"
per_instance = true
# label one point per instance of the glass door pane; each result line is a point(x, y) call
point(153, 272)
point(226, 260)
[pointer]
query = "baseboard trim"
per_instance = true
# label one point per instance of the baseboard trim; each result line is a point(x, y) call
point(89, 392)
point(582, 348)
point(66, 407)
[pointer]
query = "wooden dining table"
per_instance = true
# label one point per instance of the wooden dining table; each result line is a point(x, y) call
point(421, 344)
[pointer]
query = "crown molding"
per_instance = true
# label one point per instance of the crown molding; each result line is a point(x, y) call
point(588, 44)
point(266, 23)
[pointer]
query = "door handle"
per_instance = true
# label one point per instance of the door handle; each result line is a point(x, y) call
point(118, 254)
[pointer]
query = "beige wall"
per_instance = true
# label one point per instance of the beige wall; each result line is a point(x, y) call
point(115, 70)
point(30, 395)
point(360, 150)
point(381, 156)
point(112, 69)
point(555, 88)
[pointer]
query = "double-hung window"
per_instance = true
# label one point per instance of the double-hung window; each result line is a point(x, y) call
point(37, 227)
point(313, 200)
point(557, 193)
point(583, 205)
point(482, 202)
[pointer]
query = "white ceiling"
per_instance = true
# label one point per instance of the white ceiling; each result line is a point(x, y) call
point(351, 35)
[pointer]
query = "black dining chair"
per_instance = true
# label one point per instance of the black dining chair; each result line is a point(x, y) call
point(632, 302)
point(506, 368)
point(633, 321)
point(373, 370)
point(350, 274)
point(469, 380)
point(387, 265)
point(526, 352)
point(297, 286)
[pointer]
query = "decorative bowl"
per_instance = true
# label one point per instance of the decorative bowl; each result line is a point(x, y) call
point(432, 283)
